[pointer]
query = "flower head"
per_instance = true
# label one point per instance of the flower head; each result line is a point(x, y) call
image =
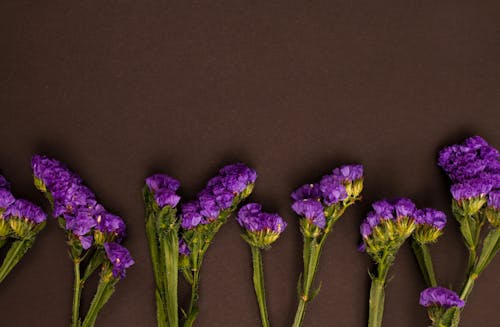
point(164, 190)
point(311, 210)
point(431, 217)
point(190, 215)
point(84, 218)
point(307, 191)
point(430, 224)
point(253, 219)
point(389, 224)
point(332, 189)
point(24, 209)
point(119, 257)
point(6, 198)
point(237, 177)
point(441, 297)
point(183, 248)
point(160, 181)
point(348, 173)
point(262, 228)
point(467, 160)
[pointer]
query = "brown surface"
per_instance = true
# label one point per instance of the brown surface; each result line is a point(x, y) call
point(121, 89)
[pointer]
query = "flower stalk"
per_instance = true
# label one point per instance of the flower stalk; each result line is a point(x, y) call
point(320, 205)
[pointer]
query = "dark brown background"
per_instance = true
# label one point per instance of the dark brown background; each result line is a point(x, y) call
point(122, 89)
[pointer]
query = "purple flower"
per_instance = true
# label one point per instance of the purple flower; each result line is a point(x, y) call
point(332, 190)
point(432, 217)
point(26, 210)
point(307, 191)
point(183, 248)
point(348, 173)
point(190, 215)
point(472, 188)
point(237, 177)
point(78, 195)
point(209, 208)
point(365, 229)
point(6, 198)
point(86, 241)
point(253, 219)
point(404, 207)
point(224, 199)
point(4, 184)
point(160, 181)
point(166, 197)
point(494, 199)
point(384, 209)
point(468, 160)
point(110, 224)
point(440, 296)
point(120, 258)
point(82, 223)
point(311, 210)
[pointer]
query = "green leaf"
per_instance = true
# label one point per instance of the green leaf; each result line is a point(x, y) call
point(315, 292)
point(95, 261)
point(489, 250)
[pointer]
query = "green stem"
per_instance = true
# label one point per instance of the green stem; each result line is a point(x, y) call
point(104, 291)
point(311, 254)
point(376, 304)
point(170, 245)
point(13, 256)
point(424, 260)
point(193, 303)
point(258, 282)
point(77, 294)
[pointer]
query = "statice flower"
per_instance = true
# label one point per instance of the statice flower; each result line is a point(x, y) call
point(190, 215)
point(232, 184)
point(391, 219)
point(312, 210)
point(88, 227)
point(319, 206)
point(467, 160)
point(24, 209)
point(20, 222)
point(164, 189)
point(430, 224)
point(332, 190)
point(6, 199)
point(307, 191)
point(262, 228)
point(441, 297)
point(74, 203)
point(202, 218)
point(183, 248)
point(474, 169)
point(492, 210)
point(119, 257)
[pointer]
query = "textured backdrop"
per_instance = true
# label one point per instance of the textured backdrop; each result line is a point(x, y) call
point(122, 89)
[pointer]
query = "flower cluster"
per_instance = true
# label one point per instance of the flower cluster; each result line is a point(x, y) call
point(85, 220)
point(262, 228)
point(233, 183)
point(430, 224)
point(18, 218)
point(392, 221)
point(474, 169)
point(320, 204)
point(164, 189)
point(441, 297)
